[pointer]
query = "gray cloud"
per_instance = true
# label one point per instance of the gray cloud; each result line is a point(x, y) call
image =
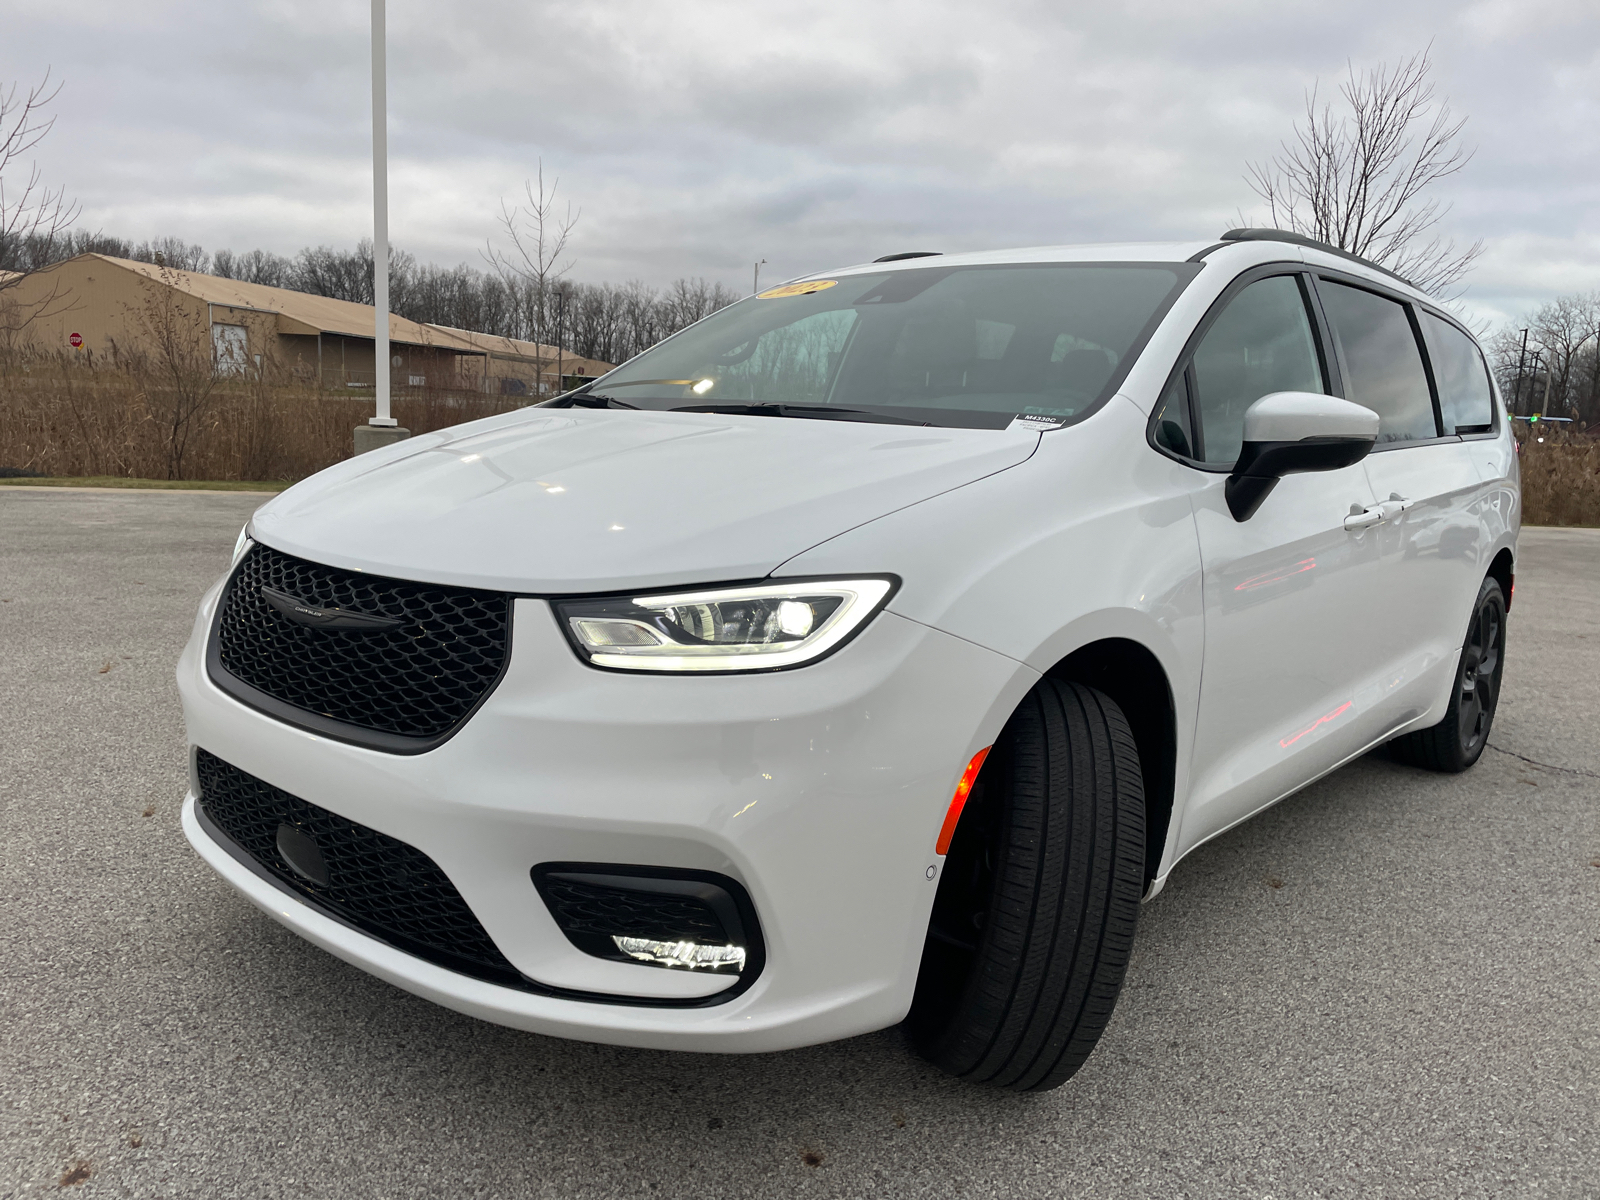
point(700, 135)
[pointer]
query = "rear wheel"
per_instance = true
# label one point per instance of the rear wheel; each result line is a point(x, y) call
point(1036, 909)
point(1456, 742)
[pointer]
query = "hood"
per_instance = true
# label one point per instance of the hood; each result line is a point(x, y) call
point(577, 500)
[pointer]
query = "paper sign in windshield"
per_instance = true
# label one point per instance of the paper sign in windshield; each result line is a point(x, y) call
point(797, 289)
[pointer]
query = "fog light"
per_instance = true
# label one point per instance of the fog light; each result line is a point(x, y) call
point(681, 954)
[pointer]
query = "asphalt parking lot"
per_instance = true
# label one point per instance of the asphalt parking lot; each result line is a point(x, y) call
point(1388, 985)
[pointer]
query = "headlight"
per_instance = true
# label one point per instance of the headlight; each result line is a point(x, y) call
point(240, 546)
point(728, 629)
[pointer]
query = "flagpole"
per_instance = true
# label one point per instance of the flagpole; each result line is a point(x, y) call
point(380, 217)
point(381, 428)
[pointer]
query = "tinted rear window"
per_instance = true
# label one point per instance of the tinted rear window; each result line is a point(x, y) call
point(1383, 364)
point(1458, 368)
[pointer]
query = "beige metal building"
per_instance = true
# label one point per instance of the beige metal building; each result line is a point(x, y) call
point(106, 309)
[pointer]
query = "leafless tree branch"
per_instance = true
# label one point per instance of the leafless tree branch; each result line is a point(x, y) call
point(32, 214)
point(1358, 180)
point(537, 235)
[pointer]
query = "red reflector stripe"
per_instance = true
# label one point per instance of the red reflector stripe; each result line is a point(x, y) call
point(959, 801)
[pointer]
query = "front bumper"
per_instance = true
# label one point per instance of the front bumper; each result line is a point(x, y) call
point(820, 789)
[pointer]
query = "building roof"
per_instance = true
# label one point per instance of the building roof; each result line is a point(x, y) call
point(532, 354)
point(316, 314)
point(304, 313)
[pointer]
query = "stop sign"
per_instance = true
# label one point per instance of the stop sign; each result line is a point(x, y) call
point(76, 340)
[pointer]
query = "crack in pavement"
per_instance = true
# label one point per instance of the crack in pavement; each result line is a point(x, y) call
point(1534, 762)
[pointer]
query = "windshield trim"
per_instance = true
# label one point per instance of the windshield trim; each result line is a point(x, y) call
point(961, 418)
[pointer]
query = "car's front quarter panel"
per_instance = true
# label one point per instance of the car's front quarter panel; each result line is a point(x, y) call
point(1092, 539)
point(821, 789)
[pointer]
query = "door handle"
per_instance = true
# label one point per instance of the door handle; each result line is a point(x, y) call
point(1364, 518)
point(1397, 498)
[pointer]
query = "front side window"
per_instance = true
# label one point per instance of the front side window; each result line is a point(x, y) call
point(973, 346)
point(1171, 427)
point(1262, 343)
point(1465, 401)
point(1382, 363)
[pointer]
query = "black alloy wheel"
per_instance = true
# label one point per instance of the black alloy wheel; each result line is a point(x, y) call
point(1457, 742)
point(1035, 914)
point(1479, 683)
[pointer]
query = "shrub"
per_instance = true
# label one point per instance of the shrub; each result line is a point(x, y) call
point(1561, 482)
point(64, 417)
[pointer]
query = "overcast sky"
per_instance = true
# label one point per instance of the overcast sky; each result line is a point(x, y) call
point(700, 135)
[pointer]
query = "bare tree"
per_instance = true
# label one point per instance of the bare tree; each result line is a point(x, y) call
point(176, 369)
point(175, 253)
point(1357, 180)
point(537, 235)
point(256, 266)
point(33, 216)
point(1557, 371)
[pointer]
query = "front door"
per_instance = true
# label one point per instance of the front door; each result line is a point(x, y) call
point(1291, 675)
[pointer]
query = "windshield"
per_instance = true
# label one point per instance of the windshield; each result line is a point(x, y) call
point(972, 346)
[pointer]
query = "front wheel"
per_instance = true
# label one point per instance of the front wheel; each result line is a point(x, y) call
point(1456, 742)
point(1035, 913)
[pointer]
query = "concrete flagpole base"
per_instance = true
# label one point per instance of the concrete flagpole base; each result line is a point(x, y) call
point(371, 437)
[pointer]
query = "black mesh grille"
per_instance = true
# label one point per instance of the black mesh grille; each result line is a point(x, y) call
point(587, 908)
point(402, 689)
point(377, 883)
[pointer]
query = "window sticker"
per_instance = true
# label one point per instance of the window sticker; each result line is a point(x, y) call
point(797, 289)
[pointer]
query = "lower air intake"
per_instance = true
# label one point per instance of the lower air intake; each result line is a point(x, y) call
point(376, 883)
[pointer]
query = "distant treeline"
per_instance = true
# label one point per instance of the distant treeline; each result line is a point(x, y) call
point(1547, 360)
point(610, 322)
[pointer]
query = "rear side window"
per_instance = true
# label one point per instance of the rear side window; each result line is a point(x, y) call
point(1262, 343)
point(1463, 380)
point(1382, 363)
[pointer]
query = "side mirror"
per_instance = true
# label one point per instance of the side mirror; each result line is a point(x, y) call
point(1288, 432)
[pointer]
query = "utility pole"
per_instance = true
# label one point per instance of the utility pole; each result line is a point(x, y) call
point(1594, 375)
point(755, 284)
point(381, 429)
point(1567, 381)
point(561, 320)
point(1516, 395)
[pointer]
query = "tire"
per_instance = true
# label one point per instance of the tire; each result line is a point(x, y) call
point(1457, 742)
point(1036, 909)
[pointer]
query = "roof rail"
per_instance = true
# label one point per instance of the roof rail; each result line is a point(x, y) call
point(910, 254)
point(1300, 239)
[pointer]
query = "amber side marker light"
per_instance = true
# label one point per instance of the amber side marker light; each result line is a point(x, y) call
point(959, 800)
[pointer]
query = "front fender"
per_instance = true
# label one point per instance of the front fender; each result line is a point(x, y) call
point(1093, 538)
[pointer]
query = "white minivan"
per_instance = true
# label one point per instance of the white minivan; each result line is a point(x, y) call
point(864, 653)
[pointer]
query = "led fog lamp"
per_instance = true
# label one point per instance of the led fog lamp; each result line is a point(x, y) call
point(681, 954)
point(677, 918)
point(759, 628)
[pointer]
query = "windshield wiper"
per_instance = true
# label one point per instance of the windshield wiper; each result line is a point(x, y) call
point(587, 400)
point(825, 412)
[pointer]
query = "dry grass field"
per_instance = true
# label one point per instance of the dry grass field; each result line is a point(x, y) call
point(60, 418)
point(1561, 482)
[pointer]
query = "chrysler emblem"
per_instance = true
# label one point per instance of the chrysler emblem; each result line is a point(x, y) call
point(299, 611)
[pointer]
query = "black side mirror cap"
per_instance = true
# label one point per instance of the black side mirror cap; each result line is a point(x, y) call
point(1262, 464)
